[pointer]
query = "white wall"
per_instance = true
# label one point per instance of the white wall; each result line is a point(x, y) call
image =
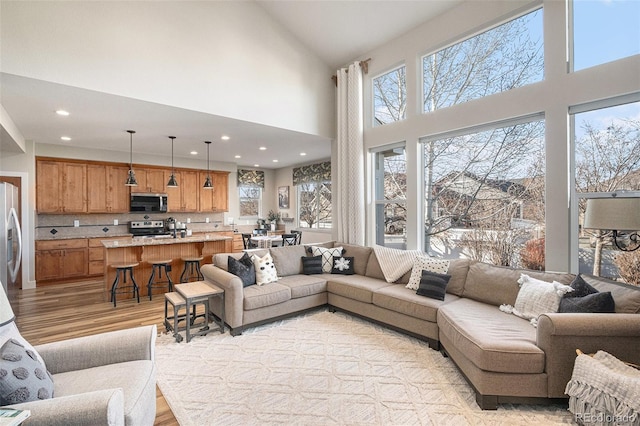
point(220, 57)
point(552, 97)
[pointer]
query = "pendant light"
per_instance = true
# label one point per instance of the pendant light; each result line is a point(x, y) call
point(173, 183)
point(131, 179)
point(207, 181)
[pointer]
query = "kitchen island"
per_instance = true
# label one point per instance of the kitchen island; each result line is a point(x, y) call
point(146, 249)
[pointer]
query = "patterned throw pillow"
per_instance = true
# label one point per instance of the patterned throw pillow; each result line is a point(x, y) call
point(433, 285)
point(265, 269)
point(311, 265)
point(426, 263)
point(327, 256)
point(23, 377)
point(536, 297)
point(342, 265)
point(243, 268)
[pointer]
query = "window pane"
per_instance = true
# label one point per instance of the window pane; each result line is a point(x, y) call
point(249, 201)
point(495, 61)
point(390, 97)
point(607, 159)
point(484, 195)
point(604, 31)
point(391, 197)
point(314, 205)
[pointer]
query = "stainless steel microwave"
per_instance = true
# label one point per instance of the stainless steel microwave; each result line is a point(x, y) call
point(147, 202)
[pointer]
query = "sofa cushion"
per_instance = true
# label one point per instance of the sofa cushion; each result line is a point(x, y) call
point(373, 267)
point(243, 269)
point(136, 379)
point(23, 377)
point(490, 340)
point(355, 287)
point(287, 259)
point(458, 269)
point(398, 298)
point(498, 285)
point(259, 296)
point(304, 285)
point(625, 296)
point(360, 256)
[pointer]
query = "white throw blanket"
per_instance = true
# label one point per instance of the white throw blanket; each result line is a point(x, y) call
point(605, 391)
point(394, 262)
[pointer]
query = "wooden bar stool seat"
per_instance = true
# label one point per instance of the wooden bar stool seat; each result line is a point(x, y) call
point(156, 281)
point(191, 269)
point(121, 270)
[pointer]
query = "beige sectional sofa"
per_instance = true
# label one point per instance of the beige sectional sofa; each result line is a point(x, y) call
point(504, 358)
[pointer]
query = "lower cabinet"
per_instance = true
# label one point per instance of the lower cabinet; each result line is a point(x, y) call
point(56, 260)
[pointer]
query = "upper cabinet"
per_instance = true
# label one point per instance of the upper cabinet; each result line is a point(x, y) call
point(216, 199)
point(71, 186)
point(61, 187)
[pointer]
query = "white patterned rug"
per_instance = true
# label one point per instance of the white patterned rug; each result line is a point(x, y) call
point(322, 369)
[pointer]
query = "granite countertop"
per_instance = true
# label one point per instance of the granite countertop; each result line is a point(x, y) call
point(155, 241)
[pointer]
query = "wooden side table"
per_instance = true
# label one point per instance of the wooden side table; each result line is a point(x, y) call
point(200, 292)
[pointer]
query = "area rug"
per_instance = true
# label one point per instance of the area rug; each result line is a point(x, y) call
point(324, 368)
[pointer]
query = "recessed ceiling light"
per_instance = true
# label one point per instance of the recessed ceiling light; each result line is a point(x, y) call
point(194, 153)
point(275, 161)
point(65, 138)
point(263, 148)
point(256, 165)
point(237, 156)
point(225, 138)
point(303, 154)
point(62, 112)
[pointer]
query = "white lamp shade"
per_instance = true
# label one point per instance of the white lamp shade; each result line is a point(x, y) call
point(620, 214)
point(6, 313)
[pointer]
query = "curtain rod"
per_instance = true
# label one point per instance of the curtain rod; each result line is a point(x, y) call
point(365, 68)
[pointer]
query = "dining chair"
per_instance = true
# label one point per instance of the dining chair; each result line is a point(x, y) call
point(246, 240)
point(289, 239)
point(298, 235)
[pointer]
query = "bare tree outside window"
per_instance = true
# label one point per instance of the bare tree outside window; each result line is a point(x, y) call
point(314, 205)
point(607, 159)
point(390, 97)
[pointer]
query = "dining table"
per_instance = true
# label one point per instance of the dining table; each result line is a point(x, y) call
point(266, 241)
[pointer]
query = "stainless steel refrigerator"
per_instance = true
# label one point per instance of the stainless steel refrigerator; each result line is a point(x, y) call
point(10, 235)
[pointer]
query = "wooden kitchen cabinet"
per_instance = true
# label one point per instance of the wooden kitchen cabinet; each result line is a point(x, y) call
point(216, 199)
point(107, 192)
point(61, 259)
point(61, 187)
point(184, 198)
point(96, 254)
point(150, 180)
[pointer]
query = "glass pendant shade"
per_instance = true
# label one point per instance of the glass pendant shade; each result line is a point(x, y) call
point(173, 183)
point(131, 178)
point(207, 181)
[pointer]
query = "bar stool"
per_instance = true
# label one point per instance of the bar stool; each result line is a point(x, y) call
point(159, 266)
point(121, 269)
point(191, 269)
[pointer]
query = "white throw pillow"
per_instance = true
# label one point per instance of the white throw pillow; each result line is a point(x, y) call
point(536, 297)
point(327, 256)
point(426, 263)
point(265, 269)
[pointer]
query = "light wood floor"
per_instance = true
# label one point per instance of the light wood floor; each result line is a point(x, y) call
point(66, 310)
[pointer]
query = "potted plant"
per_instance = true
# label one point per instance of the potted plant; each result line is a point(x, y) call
point(273, 219)
point(261, 223)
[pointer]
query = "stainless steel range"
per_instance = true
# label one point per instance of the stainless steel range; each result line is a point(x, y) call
point(147, 228)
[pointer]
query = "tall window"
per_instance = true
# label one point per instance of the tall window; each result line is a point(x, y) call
point(250, 185)
point(505, 57)
point(604, 31)
point(390, 97)
point(484, 195)
point(391, 197)
point(607, 159)
point(250, 201)
point(314, 195)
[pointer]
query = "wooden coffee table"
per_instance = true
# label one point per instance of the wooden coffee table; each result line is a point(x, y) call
point(200, 292)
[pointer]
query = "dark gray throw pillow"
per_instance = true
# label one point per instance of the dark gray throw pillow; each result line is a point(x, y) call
point(343, 265)
point(580, 288)
point(433, 285)
point(23, 377)
point(591, 303)
point(311, 265)
point(243, 268)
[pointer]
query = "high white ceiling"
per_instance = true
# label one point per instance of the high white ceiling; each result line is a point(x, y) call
point(337, 31)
